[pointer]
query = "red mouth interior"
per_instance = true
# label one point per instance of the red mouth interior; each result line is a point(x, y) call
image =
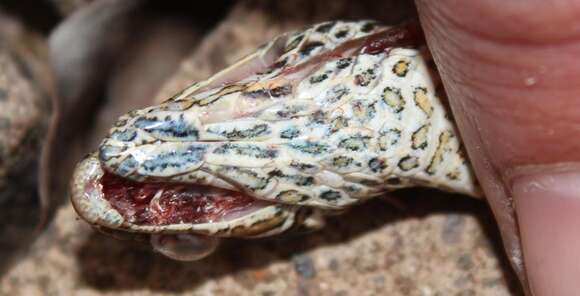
point(171, 203)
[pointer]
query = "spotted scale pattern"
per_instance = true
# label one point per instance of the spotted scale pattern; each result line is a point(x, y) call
point(328, 124)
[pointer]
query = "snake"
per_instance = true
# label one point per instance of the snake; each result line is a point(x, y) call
point(310, 124)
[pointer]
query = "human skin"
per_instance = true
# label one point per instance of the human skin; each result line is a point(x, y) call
point(512, 73)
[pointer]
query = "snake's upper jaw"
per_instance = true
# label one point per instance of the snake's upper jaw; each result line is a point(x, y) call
point(164, 208)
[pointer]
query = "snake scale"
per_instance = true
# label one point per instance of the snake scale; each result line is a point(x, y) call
point(312, 123)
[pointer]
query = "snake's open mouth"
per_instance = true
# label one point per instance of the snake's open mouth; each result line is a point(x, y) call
point(172, 203)
point(114, 202)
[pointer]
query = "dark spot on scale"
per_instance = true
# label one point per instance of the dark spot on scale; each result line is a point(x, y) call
point(275, 173)
point(275, 92)
point(338, 123)
point(336, 93)
point(352, 189)
point(343, 63)
point(309, 147)
point(377, 165)
point(294, 42)
point(253, 132)
point(367, 27)
point(355, 143)
point(454, 175)
point(341, 34)
point(330, 195)
point(318, 78)
point(246, 150)
point(365, 78)
point(280, 91)
point(302, 166)
point(167, 127)
point(256, 93)
point(292, 196)
point(389, 137)
point(290, 133)
point(393, 181)
point(299, 180)
point(393, 98)
point(342, 161)
point(317, 117)
point(309, 47)
point(178, 158)
point(408, 163)
point(281, 63)
point(128, 165)
point(324, 28)
point(419, 138)
point(370, 182)
point(268, 71)
point(401, 68)
point(253, 180)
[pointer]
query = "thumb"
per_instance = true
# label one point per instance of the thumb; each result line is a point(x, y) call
point(512, 72)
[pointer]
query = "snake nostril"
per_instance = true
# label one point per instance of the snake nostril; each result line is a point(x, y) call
point(108, 152)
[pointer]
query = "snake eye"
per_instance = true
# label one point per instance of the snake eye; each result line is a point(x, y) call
point(184, 247)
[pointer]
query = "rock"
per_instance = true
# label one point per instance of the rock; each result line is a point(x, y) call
point(25, 112)
point(303, 266)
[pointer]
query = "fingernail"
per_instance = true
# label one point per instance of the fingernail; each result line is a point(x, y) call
point(547, 203)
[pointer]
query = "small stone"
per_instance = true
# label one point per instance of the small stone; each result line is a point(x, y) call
point(468, 292)
point(492, 282)
point(3, 94)
point(379, 281)
point(304, 266)
point(453, 228)
point(333, 264)
point(465, 262)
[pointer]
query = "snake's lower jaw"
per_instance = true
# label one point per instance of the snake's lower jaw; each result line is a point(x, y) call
point(258, 219)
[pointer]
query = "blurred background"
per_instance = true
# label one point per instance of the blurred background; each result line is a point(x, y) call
point(68, 68)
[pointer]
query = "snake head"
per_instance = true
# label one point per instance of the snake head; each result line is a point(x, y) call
point(311, 123)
